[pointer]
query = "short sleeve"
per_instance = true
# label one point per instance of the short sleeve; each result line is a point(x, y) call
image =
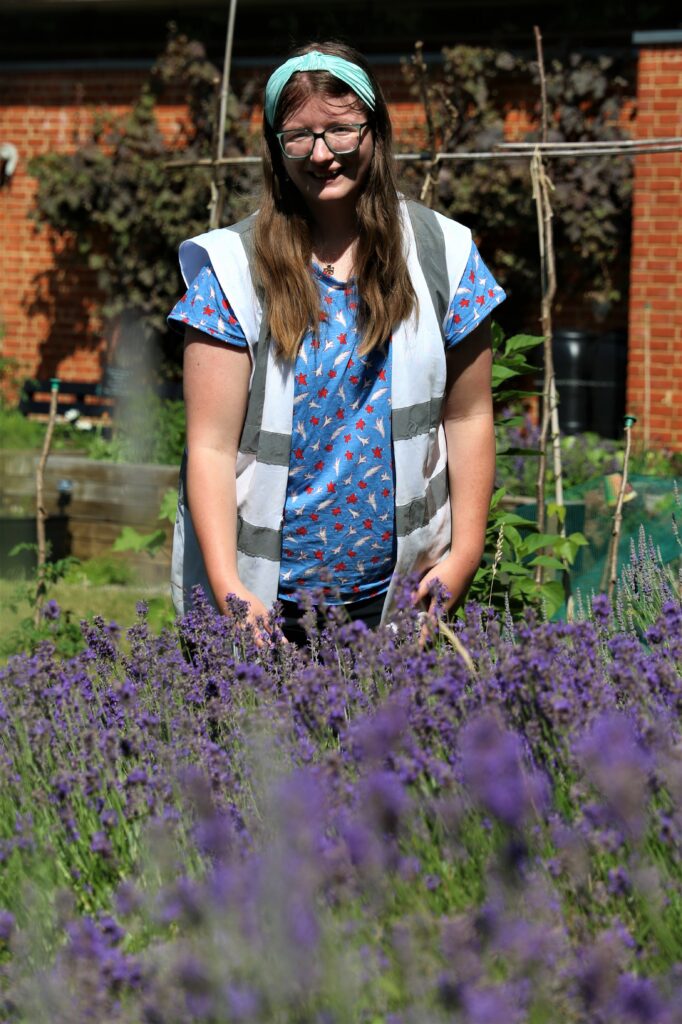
point(477, 294)
point(205, 307)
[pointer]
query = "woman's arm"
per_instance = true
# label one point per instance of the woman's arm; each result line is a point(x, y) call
point(216, 387)
point(470, 437)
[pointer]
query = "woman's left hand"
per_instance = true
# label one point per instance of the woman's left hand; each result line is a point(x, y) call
point(455, 574)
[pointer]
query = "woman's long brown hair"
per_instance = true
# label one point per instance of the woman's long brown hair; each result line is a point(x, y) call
point(282, 236)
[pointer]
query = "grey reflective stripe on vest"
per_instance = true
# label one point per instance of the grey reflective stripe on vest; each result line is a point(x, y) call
point(245, 229)
point(182, 480)
point(416, 419)
point(254, 413)
point(421, 511)
point(268, 447)
point(259, 541)
point(431, 253)
point(273, 449)
point(249, 441)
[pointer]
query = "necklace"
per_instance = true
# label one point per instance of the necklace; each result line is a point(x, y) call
point(326, 266)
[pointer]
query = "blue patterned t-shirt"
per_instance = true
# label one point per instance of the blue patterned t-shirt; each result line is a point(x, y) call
point(339, 512)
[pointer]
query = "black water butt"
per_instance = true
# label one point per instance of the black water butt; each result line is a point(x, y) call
point(608, 371)
point(571, 351)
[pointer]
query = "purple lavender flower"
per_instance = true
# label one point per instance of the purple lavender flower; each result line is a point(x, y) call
point(194, 978)
point(109, 818)
point(182, 901)
point(618, 881)
point(619, 767)
point(243, 1002)
point(637, 1001)
point(492, 768)
point(300, 918)
point(7, 923)
point(51, 610)
point(101, 844)
point(601, 609)
point(379, 734)
point(384, 802)
point(128, 900)
point(490, 1006)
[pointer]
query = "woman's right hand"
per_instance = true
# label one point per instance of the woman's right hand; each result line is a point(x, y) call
point(258, 615)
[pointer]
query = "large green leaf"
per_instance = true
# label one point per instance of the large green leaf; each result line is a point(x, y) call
point(523, 342)
point(502, 373)
point(130, 540)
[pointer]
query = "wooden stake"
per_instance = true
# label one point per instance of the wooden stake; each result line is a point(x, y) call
point(218, 187)
point(433, 160)
point(544, 106)
point(618, 514)
point(41, 514)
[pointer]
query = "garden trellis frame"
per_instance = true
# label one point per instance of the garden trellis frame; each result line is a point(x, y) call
point(504, 151)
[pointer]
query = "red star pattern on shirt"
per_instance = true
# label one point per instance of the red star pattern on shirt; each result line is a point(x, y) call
point(349, 466)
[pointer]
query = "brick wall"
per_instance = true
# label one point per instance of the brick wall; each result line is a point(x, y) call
point(655, 315)
point(43, 310)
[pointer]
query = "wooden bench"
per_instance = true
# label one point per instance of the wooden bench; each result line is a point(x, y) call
point(94, 400)
point(87, 399)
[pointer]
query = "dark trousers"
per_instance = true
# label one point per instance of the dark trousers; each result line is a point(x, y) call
point(368, 610)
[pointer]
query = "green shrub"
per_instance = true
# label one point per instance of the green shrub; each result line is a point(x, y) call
point(102, 571)
point(16, 432)
point(147, 429)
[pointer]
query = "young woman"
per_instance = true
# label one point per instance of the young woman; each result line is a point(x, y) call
point(337, 370)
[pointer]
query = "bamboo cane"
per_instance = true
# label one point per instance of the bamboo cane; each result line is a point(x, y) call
point(425, 93)
point(218, 187)
point(41, 514)
point(618, 514)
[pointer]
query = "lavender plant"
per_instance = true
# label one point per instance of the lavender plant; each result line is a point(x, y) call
point(487, 828)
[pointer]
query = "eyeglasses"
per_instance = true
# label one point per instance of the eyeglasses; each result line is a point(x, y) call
point(341, 139)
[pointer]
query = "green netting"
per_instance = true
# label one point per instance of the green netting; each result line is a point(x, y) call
point(651, 504)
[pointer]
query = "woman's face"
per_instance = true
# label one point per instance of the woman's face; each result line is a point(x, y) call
point(324, 178)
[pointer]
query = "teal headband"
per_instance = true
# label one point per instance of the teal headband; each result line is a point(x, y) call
point(342, 69)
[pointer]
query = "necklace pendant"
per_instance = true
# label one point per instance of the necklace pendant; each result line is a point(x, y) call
point(328, 270)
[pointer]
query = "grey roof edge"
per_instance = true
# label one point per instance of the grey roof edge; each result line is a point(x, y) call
point(657, 37)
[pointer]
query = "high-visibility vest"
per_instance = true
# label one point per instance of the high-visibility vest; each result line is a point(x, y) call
point(437, 250)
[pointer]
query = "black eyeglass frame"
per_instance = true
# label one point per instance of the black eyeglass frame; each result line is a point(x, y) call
point(314, 136)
